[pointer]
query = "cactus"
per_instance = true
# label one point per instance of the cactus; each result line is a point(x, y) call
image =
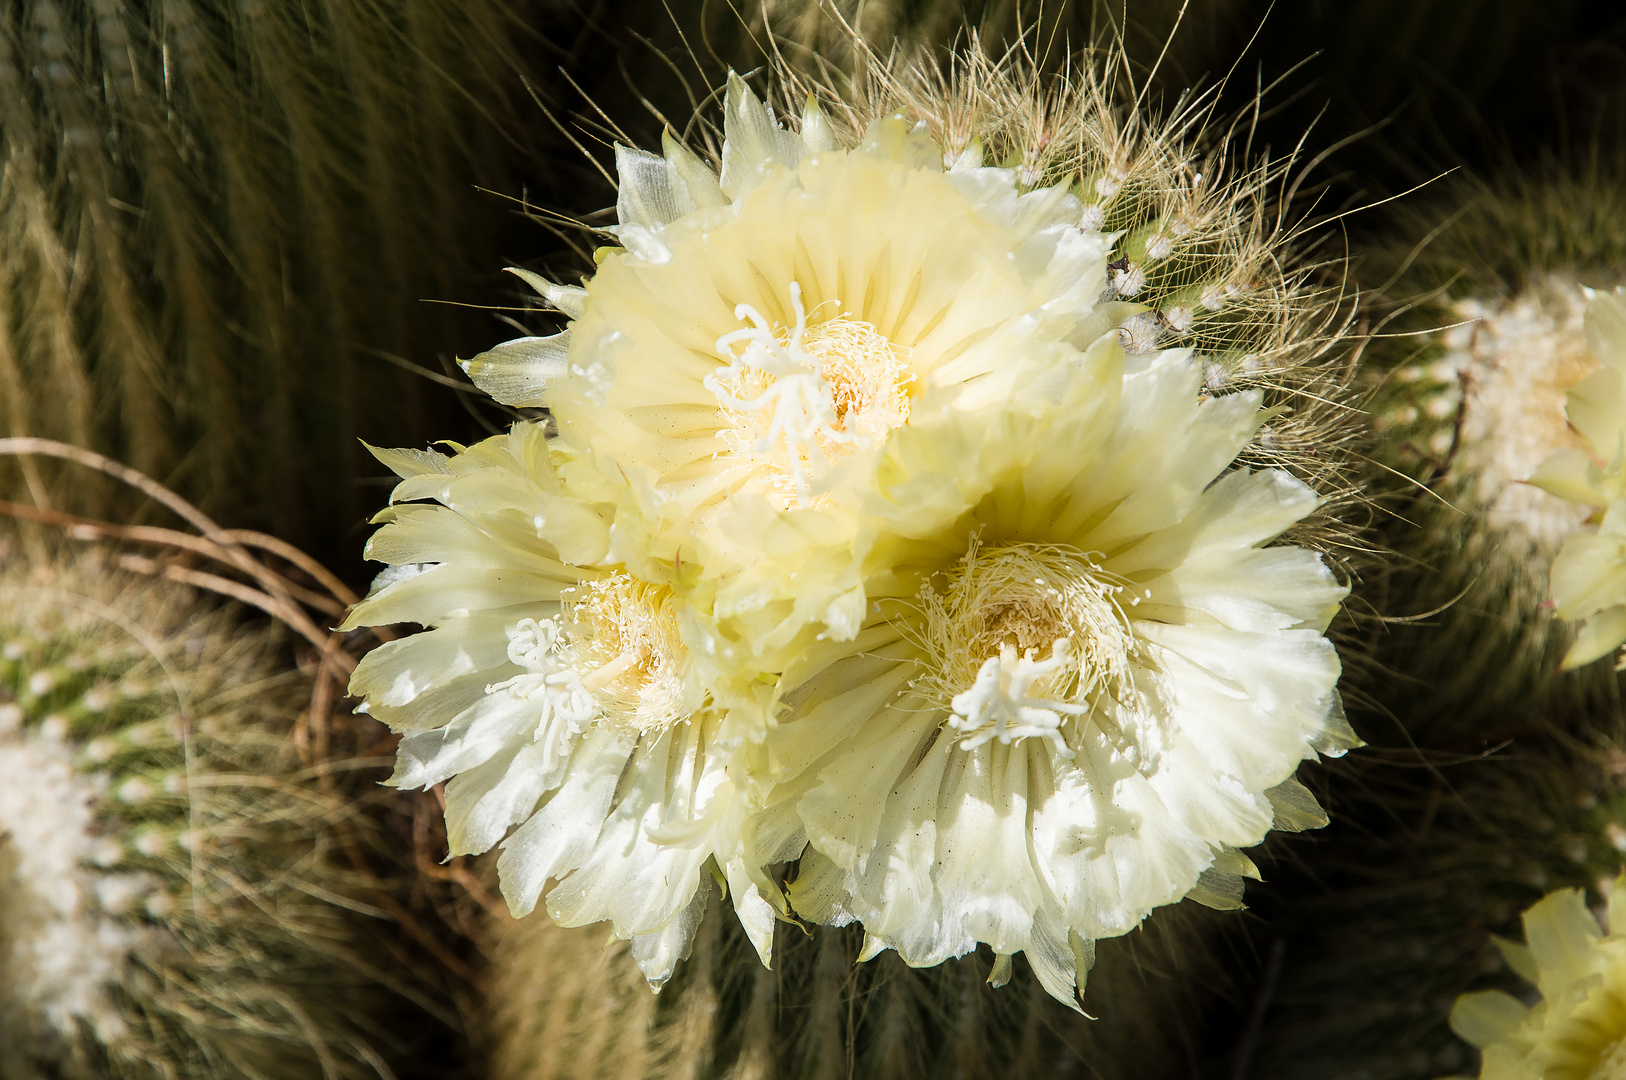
point(180, 893)
point(820, 1015)
point(218, 214)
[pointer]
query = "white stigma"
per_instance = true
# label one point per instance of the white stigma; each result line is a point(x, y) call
point(987, 623)
point(613, 656)
point(1000, 704)
point(801, 398)
point(803, 408)
point(549, 680)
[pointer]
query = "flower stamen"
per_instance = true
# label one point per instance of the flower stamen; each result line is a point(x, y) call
point(806, 396)
point(988, 620)
point(625, 637)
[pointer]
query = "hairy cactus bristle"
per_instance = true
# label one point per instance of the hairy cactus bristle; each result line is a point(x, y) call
point(180, 895)
point(1467, 401)
point(821, 1016)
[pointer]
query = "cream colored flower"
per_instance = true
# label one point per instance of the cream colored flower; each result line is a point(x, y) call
point(853, 406)
point(1589, 574)
point(760, 329)
point(1083, 680)
point(1577, 1031)
point(552, 691)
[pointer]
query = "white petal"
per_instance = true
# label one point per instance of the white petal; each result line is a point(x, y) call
point(398, 671)
point(1561, 931)
point(843, 814)
point(696, 177)
point(407, 463)
point(1248, 702)
point(630, 879)
point(1295, 808)
point(1600, 635)
point(752, 142)
point(756, 915)
point(561, 834)
point(988, 889)
point(476, 734)
point(910, 145)
point(817, 134)
point(1487, 1016)
point(1108, 844)
point(819, 893)
point(567, 298)
point(1060, 959)
point(482, 803)
point(658, 953)
point(453, 591)
point(430, 709)
point(650, 194)
point(518, 372)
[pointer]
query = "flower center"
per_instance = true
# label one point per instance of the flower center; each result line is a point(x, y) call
point(625, 641)
point(801, 398)
point(1021, 636)
point(615, 655)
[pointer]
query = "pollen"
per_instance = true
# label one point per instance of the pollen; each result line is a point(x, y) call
point(623, 636)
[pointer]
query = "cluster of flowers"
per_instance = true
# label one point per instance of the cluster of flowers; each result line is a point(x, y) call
point(859, 570)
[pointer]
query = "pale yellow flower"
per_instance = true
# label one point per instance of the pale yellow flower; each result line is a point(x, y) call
point(1589, 573)
point(553, 691)
point(1083, 679)
point(1577, 1031)
point(760, 329)
point(973, 614)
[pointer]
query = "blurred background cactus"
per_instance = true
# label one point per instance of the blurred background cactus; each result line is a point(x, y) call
point(1373, 951)
point(821, 1015)
point(1485, 303)
point(196, 877)
point(220, 218)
